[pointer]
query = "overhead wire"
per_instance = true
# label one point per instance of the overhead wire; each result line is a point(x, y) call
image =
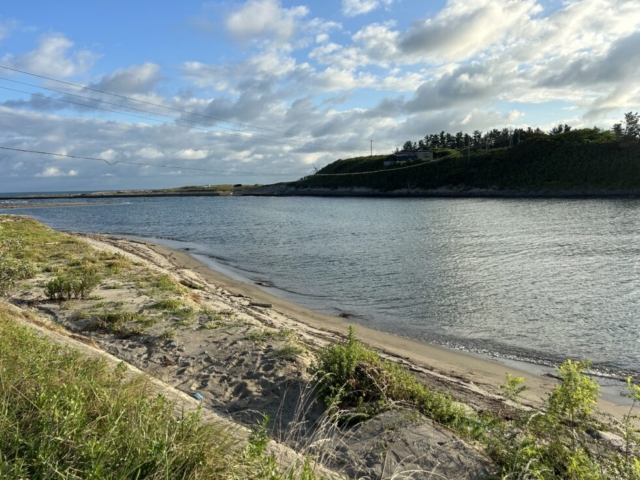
point(175, 122)
point(194, 124)
point(197, 127)
point(117, 105)
point(124, 97)
point(128, 162)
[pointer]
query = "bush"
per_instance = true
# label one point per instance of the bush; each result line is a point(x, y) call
point(12, 270)
point(353, 376)
point(561, 441)
point(78, 286)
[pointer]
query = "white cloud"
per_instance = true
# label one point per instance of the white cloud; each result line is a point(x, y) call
point(465, 28)
point(56, 172)
point(149, 152)
point(191, 154)
point(131, 80)
point(264, 19)
point(54, 57)
point(352, 8)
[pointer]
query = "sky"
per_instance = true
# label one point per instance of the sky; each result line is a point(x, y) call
point(261, 91)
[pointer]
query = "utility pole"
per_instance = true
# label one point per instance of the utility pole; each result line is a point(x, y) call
point(372, 148)
point(468, 148)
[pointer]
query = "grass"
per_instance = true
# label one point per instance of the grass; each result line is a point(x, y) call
point(557, 442)
point(170, 304)
point(290, 351)
point(264, 335)
point(66, 416)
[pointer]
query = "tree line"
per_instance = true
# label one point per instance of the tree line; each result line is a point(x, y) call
point(629, 128)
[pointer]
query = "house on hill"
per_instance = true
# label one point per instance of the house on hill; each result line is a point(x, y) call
point(404, 156)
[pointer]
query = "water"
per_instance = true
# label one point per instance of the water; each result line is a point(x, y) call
point(540, 280)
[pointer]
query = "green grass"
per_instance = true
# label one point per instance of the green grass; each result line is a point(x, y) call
point(554, 443)
point(290, 351)
point(170, 304)
point(66, 416)
point(28, 247)
point(71, 417)
point(264, 335)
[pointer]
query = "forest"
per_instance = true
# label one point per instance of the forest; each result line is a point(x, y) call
point(526, 160)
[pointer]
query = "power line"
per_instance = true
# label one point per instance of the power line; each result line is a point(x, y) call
point(146, 164)
point(195, 125)
point(219, 119)
point(233, 132)
point(117, 105)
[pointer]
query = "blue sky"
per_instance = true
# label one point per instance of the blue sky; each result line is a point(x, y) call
point(300, 83)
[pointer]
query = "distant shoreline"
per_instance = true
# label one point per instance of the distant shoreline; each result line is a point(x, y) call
point(286, 190)
point(12, 206)
point(121, 194)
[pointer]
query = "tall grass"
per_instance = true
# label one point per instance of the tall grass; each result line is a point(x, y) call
point(563, 440)
point(66, 416)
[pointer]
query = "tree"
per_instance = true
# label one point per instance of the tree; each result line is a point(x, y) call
point(617, 130)
point(408, 146)
point(632, 125)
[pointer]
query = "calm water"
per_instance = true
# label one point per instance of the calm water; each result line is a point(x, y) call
point(534, 279)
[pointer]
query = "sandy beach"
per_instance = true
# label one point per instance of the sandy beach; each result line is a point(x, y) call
point(471, 377)
point(247, 354)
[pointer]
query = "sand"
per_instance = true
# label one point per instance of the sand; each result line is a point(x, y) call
point(236, 361)
point(474, 379)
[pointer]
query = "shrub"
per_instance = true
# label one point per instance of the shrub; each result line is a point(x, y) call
point(561, 441)
point(77, 286)
point(353, 376)
point(12, 270)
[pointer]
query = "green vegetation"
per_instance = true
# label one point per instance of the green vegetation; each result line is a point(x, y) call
point(264, 335)
point(66, 416)
point(78, 286)
point(353, 377)
point(171, 304)
point(560, 441)
point(290, 351)
point(521, 160)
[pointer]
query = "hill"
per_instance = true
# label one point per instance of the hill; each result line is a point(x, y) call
point(581, 162)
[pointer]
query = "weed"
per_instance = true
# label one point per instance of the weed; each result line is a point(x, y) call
point(67, 416)
point(168, 334)
point(166, 283)
point(289, 352)
point(513, 387)
point(184, 316)
point(115, 322)
point(78, 286)
point(171, 304)
point(264, 335)
point(353, 376)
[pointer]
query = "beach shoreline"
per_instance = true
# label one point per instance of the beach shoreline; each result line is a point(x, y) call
point(459, 370)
